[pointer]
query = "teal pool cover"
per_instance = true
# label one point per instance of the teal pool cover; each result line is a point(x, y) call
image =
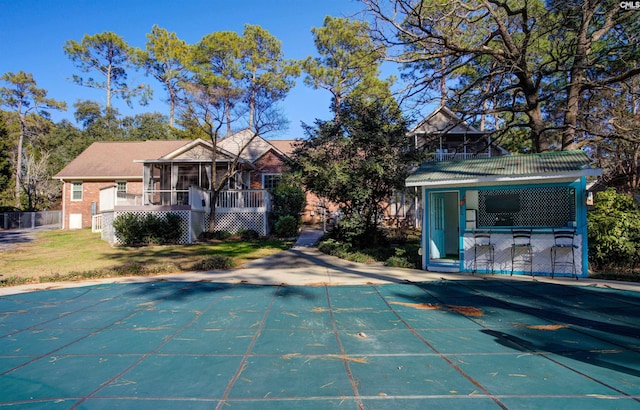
point(445, 344)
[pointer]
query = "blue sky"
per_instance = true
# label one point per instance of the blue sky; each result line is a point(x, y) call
point(33, 32)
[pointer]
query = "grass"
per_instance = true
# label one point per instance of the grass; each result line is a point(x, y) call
point(79, 254)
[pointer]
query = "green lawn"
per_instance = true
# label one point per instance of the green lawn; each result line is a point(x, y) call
point(77, 254)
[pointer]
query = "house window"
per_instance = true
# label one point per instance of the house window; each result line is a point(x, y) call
point(122, 187)
point(269, 181)
point(76, 191)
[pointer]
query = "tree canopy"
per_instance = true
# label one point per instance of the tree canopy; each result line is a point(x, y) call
point(111, 57)
point(356, 161)
point(527, 64)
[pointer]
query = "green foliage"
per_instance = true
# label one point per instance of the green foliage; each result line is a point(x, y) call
point(214, 262)
point(248, 235)
point(219, 235)
point(110, 56)
point(5, 158)
point(136, 230)
point(286, 226)
point(164, 58)
point(348, 59)
point(287, 198)
point(357, 161)
point(614, 232)
point(344, 251)
point(401, 260)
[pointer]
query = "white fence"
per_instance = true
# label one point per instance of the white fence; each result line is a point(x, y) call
point(30, 220)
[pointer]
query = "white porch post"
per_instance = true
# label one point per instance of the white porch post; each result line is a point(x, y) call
point(174, 183)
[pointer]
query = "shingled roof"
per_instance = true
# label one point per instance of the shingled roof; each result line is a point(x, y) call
point(550, 165)
point(256, 146)
point(109, 160)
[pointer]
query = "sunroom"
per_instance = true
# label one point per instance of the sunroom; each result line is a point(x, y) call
point(523, 214)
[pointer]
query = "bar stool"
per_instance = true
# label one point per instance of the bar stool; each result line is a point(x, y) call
point(482, 243)
point(563, 240)
point(521, 247)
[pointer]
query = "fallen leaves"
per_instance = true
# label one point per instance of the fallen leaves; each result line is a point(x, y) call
point(463, 310)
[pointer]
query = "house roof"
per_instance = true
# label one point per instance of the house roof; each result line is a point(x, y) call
point(256, 146)
point(109, 160)
point(285, 146)
point(444, 121)
point(545, 166)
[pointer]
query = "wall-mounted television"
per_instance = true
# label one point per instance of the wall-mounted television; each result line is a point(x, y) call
point(502, 203)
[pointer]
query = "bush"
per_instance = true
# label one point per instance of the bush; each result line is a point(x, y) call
point(248, 235)
point(214, 262)
point(399, 260)
point(139, 230)
point(287, 199)
point(286, 226)
point(614, 232)
point(129, 229)
point(355, 231)
point(219, 235)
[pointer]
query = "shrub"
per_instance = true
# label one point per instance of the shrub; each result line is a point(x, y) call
point(213, 263)
point(614, 232)
point(399, 260)
point(248, 235)
point(287, 199)
point(219, 235)
point(136, 230)
point(286, 226)
point(129, 229)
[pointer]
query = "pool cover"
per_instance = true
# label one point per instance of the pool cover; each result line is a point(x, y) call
point(443, 344)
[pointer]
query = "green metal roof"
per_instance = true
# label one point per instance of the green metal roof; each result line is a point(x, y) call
point(549, 165)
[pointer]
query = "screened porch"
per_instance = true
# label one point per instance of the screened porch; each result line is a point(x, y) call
point(168, 183)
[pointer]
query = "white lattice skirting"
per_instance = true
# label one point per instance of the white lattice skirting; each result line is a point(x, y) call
point(194, 222)
point(235, 221)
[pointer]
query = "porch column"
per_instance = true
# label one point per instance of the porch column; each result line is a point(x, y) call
point(174, 183)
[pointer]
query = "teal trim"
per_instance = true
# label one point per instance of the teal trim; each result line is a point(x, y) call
point(581, 223)
point(583, 226)
point(425, 229)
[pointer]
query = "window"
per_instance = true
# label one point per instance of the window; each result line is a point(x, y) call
point(76, 191)
point(122, 187)
point(269, 181)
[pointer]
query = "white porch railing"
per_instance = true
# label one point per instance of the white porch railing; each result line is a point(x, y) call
point(96, 223)
point(253, 198)
point(455, 156)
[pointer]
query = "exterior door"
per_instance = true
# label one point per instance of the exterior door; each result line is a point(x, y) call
point(437, 224)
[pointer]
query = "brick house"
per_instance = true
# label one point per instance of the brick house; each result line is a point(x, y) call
point(173, 176)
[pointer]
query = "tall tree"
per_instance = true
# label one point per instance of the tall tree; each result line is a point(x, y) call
point(347, 57)
point(216, 64)
point(528, 62)
point(357, 161)
point(267, 75)
point(204, 112)
point(6, 146)
point(164, 58)
point(24, 98)
point(111, 57)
